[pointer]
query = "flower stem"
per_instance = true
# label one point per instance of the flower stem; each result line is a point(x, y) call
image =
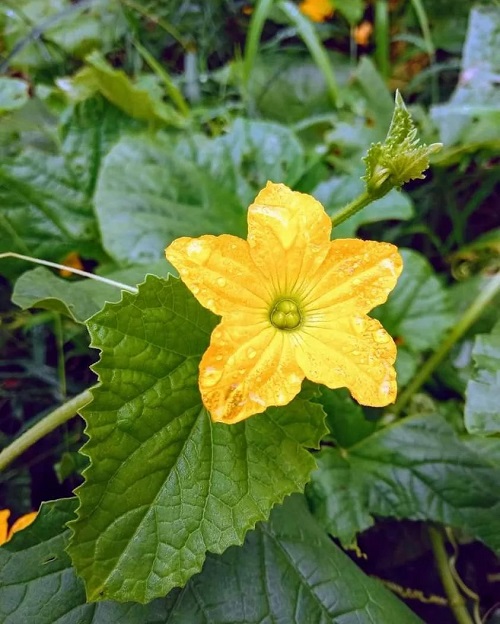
point(353, 207)
point(455, 598)
point(50, 422)
point(468, 318)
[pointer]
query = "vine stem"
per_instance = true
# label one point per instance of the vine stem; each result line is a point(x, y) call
point(469, 316)
point(48, 423)
point(353, 207)
point(455, 598)
point(54, 265)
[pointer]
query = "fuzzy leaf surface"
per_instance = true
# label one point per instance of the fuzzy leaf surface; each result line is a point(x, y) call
point(482, 411)
point(146, 196)
point(307, 578)
point(165, 484)
point(418, 469)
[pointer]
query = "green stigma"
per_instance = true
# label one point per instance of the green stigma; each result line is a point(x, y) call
point(286, 314)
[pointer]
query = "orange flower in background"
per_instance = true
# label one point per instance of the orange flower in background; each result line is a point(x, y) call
point(293, 305)
point(317, 10)
point(362, 33)
point(73, 261)
point(20, 524)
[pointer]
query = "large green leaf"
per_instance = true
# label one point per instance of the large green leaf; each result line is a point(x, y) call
point(250, 154)
point(472, 114)
point(46, 199)
point(418, 468)
point(40, 288)
point(482, 410)
point(418, 310)
point(146, 196)
point(317, 581)
point(45, 212)
point(166, 484)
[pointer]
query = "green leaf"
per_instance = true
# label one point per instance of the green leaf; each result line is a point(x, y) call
point(418, 310)
point(45, 211)
point(400, 158)
point(247, 156)
point(147, 195)
point(47, 199)
point(37, 583)
point(472, 114)
point(345, 418)
point(79, 300)
point(13, 94)
point(166, 484)
point(340, 190)
point(419, 469)
point(136, 100)
point(317, 581)
point(482, 411)
point(73, 29)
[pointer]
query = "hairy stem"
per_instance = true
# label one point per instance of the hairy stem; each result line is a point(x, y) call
point(50, 422)
point(468, 318)
point(353, 207)
point(455, 598)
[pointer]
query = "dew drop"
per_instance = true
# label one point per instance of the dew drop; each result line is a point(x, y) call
point(251, 353)
point(385, 387)
point(356, 281)
point(359, 324)
point(198, 251)
point(211, 375)
point(195, 290)
point(381, 336)
point(221, 282)
point(210, 303)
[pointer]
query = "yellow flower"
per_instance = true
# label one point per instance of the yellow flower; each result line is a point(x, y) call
point(293, 305)
point(19, 524)
point(317, 10)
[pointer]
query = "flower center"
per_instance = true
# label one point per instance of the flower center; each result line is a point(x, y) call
point(286, 314)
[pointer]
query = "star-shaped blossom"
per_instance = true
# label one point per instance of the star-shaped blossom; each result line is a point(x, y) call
point(293, 304)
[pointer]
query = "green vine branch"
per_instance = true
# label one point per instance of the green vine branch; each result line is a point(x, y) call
point(455, 598)
point(470, 315)
point(48, 423)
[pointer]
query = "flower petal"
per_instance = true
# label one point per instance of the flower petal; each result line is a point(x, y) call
point(247, 367)
point(4, 525)
point(288, 234)
point(356, 353)
point(219, 271)
point(355, 277)
point(22, 522)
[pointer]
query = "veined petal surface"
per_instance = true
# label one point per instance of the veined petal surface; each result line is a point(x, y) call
point(356, 353)
point(355, 277)
point(248, 366)
point(288, 235)
point(220, 272)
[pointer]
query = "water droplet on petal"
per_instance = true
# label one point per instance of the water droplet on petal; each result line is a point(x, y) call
point(381, 336)
point(251, 353)
point(198, 251)
point(256, 398)
point(221, 282)
point(195, 290)
point(359, 324)
point(211, 375)
point(385, 388)
point(356, 281)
